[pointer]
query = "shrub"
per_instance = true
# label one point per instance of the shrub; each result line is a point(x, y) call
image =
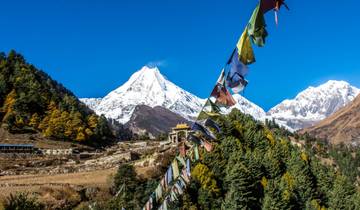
point(22, 201)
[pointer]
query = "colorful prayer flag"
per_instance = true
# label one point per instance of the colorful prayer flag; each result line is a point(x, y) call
point(236, 73)
point(207, 145)
point(196, 152)
point(175, 168)
point(257, 27)
point(163, 183)
point(188, 167)
point(210, 109)
point(221, 94)
point(182, 149)
point(212, 124)
point(204, 131)
point(181, 160)
point(194, 139)
point(158, 193)
point(185, 176)
point(267, 5)
point(169, 175)
point(245, 51)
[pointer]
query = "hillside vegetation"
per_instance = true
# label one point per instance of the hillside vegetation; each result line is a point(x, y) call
point(255, 166)
point(30, 101)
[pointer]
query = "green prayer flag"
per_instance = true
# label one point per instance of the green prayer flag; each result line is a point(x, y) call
point(181, 159)
point(158, 193)
point(210, 110)
point(245, 50)
point(196, 152)
point(257, 27)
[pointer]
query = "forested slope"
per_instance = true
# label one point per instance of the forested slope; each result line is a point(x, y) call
point(30, 101)
point(254, 166)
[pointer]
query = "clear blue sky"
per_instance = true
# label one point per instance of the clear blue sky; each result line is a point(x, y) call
point(93, 46)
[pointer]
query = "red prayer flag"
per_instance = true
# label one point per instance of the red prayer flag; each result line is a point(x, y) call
point(208, 146)
point(182, 149)
point(267, 5)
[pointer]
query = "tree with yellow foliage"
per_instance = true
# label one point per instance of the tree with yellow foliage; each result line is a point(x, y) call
point(34, 121)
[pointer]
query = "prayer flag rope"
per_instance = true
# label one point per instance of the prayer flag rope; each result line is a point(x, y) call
point(178, 175)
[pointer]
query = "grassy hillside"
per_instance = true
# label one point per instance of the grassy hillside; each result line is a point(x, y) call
point(30, 101)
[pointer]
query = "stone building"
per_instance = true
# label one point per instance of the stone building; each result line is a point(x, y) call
point(17, 148)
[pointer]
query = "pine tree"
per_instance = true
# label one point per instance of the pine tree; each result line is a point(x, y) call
point(304, 180)
point(242, 192)
point(342, 193)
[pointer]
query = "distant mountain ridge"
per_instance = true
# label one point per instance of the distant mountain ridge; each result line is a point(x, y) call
point(314, 104)
point(149, 87)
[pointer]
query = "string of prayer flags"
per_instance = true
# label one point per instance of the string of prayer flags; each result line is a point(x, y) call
point(257, 27)
point(175, 179)
point(172, 176)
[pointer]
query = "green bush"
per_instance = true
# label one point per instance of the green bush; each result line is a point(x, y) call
point(22, 201)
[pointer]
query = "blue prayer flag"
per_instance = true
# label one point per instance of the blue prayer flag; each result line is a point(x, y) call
point(236, 73)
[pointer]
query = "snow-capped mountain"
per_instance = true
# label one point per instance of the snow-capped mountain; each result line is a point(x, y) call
point(149, 87)
point(146, 87)
point(247, 107)
point(314, 104)
point(92, 103)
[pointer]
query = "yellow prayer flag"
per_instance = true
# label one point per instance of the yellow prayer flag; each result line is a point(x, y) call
point(245, 50)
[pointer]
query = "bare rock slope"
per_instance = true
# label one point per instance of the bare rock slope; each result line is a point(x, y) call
point(341, 127)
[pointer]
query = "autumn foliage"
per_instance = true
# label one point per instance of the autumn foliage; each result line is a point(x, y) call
point(30, 101)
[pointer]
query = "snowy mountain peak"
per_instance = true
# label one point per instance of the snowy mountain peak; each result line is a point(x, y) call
point(146, 77)
point(247, 107)
point(147, 87)
point(314, 104)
